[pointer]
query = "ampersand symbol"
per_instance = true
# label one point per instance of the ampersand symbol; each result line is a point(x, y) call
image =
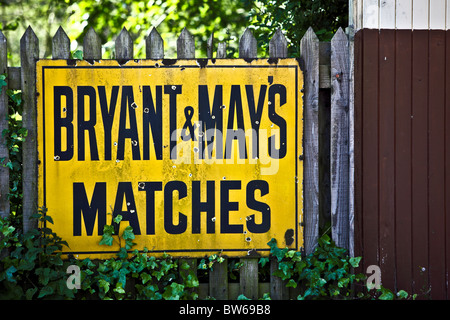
point(188, 113)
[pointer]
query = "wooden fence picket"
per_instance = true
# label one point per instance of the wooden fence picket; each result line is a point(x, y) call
point(4, 153)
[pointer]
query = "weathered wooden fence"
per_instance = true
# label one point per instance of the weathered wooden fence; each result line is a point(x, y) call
point(327, 105)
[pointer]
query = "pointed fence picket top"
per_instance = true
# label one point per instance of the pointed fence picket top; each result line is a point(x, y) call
point(278, 45)
point(92, 45)
point(247, 45)
point(185, 45)
point(154, 45)
point(221, 50)
point(29, 53)
point(309, 52)
point(210, 46)
point(124, 45)
point(339, 151)
point(60, 45)
point(4, 171)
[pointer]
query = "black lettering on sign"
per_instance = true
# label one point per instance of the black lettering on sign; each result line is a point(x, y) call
point(235, 110)
point(262, 207)
point(87, 125)
point(198, 206)
point(173, 91)
point(152, 117)
point(131, 133)
point(210, 120)
point(169, 189)
point(150, 188)
point(280, 90)
point(63, 122)
point(108, 115)
point(255, 114)
point(226, 206)
point(81, 206)
point(130, 214)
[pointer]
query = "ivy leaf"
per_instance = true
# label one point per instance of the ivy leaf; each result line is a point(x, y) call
point(30, 293)
point(45, 291)
point(355, 261)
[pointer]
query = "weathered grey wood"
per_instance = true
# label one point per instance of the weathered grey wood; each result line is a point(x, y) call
point(218, 281)
point(154, 45)
point(210, 46)
point(339, 151)
point(92, 45)
point(4, 154)
point(29, 53)
point(247, 45)
point(278, 45)
point(249, 278)
point(309, 52)
point(14, 80)
point(278, 289)
point(185, 45)
point(60, 45)
point(351, 146)
point(124, 45)
point(221, 50)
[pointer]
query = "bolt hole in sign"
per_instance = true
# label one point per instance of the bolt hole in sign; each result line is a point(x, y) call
point(196, 158)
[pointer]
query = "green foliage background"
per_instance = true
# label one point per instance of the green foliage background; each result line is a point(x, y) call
point(226, 18)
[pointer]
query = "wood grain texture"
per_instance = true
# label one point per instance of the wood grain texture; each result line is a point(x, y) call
point(124, 45)
point(309, 52)
point(29, 53)
point(247, 45)
point(339, 143)
point(60, 45)
point(92, 45)
point(185, 45)
point(154, 45)
point(4, 152)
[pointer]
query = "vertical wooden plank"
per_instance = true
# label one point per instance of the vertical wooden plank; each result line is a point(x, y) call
point(221, 50)
point(247, 45)
point(447, 161)
point(4, 153)
point(403, 14)
point(218, 281)
point(351, 143)
point(420, 12)
point(420, 160)
point(369, 123)
point(249, 271)
point(358, 146)
point(339, 149)
point(309, 52)
point(124, 45)
point(437, 14)
point(387, 14)
point(403, 52)
point(29, 52)
point(60, 45)
point(185, 45)
point(92, 45)
point(436, 149)
point(278, 290)
point(249, 278)
point(278, 45)
point(210, 46)
point(386, 156)
point(371, 13)
point(154, 45)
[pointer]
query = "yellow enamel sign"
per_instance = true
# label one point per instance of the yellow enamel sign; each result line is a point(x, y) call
point(197, 156)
